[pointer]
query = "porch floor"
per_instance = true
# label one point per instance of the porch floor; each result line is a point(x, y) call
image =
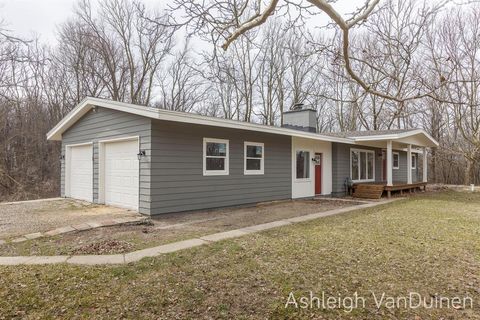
point(375, 190)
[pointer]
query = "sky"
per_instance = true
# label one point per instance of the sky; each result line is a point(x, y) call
point(41, 17)
point(27, 18)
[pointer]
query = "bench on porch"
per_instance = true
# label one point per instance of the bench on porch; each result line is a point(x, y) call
point(374, 190)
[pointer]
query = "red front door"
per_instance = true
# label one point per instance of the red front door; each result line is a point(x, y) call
point(318, 173)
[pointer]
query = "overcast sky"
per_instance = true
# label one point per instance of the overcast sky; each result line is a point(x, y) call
point(41, 17)
point(28, 17)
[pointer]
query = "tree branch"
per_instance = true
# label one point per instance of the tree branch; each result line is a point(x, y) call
point(251, 23)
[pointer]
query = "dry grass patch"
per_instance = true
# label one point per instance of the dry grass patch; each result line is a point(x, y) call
point(428, 244)
point(167, 228)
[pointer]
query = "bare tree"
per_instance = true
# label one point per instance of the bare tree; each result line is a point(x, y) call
point(124, 40)
point(455, 50)
point(181, 84)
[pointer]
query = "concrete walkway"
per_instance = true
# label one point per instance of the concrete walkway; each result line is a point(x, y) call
point(175, 246)
point(89, 225)
point(31, 201)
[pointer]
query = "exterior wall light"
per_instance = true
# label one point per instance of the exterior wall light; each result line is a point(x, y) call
point(141, 154)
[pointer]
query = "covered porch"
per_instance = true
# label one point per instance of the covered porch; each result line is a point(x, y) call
point(401, 156)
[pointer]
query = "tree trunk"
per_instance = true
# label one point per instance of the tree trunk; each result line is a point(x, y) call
point(468, 172)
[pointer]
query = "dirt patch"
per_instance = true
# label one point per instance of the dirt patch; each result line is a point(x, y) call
point(29, 217)
point(168, 228)
point(104, 247)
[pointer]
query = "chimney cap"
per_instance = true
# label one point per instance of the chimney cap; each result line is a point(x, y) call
point(297, 106)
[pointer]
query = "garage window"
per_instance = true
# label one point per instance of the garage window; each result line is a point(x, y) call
point(215, 157)
point(254, 155)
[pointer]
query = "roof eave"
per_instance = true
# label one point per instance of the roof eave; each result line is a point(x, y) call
point(86, 104)
point(397, 136)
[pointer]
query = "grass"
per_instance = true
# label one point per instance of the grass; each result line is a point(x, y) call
point(121, 239)
point(427, 244)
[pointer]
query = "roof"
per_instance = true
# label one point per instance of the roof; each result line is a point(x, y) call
point(160, 114)
point(404, 136)
point(352, 137)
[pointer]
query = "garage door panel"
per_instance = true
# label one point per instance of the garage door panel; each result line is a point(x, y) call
point(121, 174)
point(81, 172)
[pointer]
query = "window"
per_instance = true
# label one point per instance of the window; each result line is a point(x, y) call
point(414, 161)
point(215, 157)
point(396, 160)
point(303, 165)
point(355, 166)
point(254, 156)
point(362, 165)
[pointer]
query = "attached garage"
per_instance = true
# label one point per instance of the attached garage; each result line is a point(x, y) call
point(79, 172)
point(119, 173)
point(158, 161)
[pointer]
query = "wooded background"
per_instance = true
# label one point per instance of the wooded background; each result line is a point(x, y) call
point(402, 64)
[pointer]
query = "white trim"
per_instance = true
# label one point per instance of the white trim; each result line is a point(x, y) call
point(367, 151)
point(389, 163)
point(67, 182)
point(315, 164)
point(245, 158)
point(101, 166)
point(225, 172)
point(88, 103)
point(395, 136)
point(309, 165)
point(79, 144)
point(425, 166)
point(119, 139)
point(395, 153)
point(409, 164)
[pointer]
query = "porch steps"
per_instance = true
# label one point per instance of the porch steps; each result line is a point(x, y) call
point(368, 191)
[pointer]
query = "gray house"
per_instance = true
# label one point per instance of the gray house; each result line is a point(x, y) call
point(157, 161)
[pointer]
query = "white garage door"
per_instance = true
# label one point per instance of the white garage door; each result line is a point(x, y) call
point(121, 174)
point(80, 172)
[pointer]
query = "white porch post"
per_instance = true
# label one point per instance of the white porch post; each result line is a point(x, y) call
point(389, 163)
point(425, 165)
point(409, 164)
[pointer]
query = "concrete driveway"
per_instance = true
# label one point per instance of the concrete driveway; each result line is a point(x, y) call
point(39, 216)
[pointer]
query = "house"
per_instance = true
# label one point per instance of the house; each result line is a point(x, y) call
point(158, 161)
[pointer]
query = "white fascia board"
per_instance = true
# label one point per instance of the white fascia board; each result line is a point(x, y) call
point(397, 136)
point(88, 103)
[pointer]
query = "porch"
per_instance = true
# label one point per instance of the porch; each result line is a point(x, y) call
point(375, 190)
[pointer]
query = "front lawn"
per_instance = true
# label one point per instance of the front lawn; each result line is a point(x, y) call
point(165, 228)
point(428, 244)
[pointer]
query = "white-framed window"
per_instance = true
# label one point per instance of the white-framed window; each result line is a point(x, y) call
point(414, 161)
point(215, 157)
point(362, 165)
point(254, 155)
point(302, 164)
point(396, 160)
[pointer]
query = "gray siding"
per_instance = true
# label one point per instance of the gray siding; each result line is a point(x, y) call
point(400, 174)
point(177, 181)
point(109, 124)
point(341, 166)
